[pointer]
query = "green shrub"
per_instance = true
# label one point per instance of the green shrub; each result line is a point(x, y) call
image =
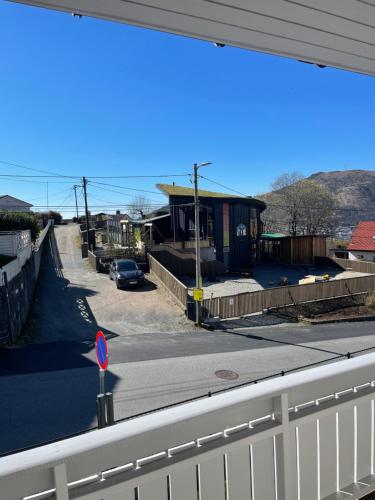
point(19, 221)
point(51, 214)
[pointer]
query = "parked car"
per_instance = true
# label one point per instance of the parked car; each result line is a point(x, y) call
point(125, 272)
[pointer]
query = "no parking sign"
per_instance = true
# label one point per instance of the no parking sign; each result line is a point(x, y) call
point(101, 350)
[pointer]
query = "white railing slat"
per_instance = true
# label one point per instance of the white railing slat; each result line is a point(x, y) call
point(327, 455)
point(364, 432)
point(239, 474)
point(211, 479)
point(156, 489)
point(308, 460)
point(183, 483)
point(346, 447)
point(263, 470)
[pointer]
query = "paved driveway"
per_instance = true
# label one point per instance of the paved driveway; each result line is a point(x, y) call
point(72, 302)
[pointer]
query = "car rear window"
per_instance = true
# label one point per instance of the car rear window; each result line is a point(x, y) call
point(127, 266)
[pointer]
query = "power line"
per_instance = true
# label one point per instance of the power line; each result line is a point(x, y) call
point(41, 176)
point(127, 188)
point(18, 165)
point(34, 182)
point(138, 176)
point(225, 187)
point(117, 192)
point(50, 195)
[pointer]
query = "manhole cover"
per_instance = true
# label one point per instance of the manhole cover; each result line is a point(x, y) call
point(227, 374)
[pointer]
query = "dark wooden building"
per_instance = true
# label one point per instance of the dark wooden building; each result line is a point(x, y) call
point(230, 226)
point(297, 250)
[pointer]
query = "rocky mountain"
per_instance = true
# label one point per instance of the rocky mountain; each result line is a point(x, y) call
point(353, 189)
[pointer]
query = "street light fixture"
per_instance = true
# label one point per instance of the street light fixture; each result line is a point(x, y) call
point(198, 277)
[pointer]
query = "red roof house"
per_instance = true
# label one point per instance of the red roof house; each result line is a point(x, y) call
point(363, 238)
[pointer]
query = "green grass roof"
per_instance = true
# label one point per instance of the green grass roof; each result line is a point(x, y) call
point(171, 190)
point(272, 236)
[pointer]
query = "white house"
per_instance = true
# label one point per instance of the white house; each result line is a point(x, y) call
point(10, 204)
point(362, 244)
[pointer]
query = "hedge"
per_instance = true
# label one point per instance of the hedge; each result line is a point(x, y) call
point(18, 221)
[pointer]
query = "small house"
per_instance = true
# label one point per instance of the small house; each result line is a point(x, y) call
point(10, 204)
point(229, 226)
point(362, 244)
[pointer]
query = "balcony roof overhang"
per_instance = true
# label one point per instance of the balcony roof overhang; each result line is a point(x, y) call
point(337, 33)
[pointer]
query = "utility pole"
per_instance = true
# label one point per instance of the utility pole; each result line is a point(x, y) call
point(75, 194)
point(198, 278)
point(84, 180)
point(47, 197)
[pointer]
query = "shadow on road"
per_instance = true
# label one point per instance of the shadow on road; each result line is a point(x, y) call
point(44, 393)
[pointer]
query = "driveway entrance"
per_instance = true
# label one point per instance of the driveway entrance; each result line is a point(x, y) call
point(72, 302)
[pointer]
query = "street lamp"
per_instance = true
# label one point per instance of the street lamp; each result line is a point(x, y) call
point(198, 278)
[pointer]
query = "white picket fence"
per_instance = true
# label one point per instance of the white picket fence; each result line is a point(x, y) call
point(305, 436)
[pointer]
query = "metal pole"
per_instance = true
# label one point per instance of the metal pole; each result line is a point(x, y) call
point(109, 407)
point(197, 245)
point(101, 381)
point(100, 410)
point(87, 212)
point(47, 197)
point(75, 194)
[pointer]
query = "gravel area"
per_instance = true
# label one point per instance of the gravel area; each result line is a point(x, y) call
point(265, 276)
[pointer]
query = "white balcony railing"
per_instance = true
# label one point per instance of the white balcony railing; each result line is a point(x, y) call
point(305, 436)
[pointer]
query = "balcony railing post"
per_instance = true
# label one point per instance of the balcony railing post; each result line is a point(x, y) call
point(286, 476)
point(61, 482)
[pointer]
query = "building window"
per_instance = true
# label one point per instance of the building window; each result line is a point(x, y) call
point(241, 230)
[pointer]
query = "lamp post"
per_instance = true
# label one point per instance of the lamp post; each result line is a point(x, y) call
point(198, 278)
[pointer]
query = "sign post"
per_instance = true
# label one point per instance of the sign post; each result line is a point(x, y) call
point(104, 401)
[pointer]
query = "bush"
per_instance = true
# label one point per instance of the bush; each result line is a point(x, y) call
point(56, 216)
point(19, 221)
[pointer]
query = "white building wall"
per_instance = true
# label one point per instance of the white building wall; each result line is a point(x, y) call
point(361, 255)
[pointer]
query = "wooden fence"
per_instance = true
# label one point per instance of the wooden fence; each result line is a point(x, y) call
point(177, 289)
point(233, 306)
point(99, 259)
point(183, 264)
point(361, 266)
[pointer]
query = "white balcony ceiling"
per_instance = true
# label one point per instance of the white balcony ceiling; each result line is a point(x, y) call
point(337, 33)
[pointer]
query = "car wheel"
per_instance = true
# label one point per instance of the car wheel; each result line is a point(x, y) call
point(118, 285)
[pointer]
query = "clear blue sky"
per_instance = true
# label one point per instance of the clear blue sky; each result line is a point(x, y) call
point(91, 97)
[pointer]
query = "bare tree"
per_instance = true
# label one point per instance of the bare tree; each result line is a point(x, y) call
point(140, 207)
point(299, 206)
